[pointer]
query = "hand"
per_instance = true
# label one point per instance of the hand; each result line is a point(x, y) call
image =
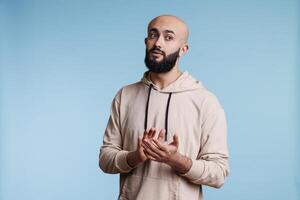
point(147, 136)
point(138, 156)
point(156, 150)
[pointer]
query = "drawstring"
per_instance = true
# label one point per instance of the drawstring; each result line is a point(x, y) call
point(166, 119)
point(146, 114)
point(167, 112)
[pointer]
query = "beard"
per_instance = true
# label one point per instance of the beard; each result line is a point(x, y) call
point(163, 66)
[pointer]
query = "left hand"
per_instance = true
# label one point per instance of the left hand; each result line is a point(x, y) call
point(157, 150)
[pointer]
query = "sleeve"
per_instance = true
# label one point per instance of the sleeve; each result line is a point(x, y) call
point(211, 166)
point(112, 159)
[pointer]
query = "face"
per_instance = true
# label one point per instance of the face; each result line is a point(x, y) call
point(165, 43)
point(165, 65)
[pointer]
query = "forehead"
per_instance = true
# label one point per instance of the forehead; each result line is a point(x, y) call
point(165, 24)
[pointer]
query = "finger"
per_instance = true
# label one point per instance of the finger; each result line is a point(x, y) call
point(149, 132)
point(152, 153)
point(154, 148)
point(149, 156)
point(175, 140)
point(139, 141)
point(159, 145)
point(146, 134)
point(151, 141)
point(161, 135)
point(152, 134)
point(143, 145)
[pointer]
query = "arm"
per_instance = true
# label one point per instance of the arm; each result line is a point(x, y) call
point(112, 159)
point(180, 163)
point(211, 165)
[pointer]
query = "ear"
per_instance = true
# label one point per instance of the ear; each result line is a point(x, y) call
point(184, 50)
point(145, 41)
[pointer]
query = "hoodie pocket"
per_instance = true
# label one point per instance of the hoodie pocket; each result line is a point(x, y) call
point(148, 188)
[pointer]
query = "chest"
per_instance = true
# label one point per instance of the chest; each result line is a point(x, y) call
point(183, 117)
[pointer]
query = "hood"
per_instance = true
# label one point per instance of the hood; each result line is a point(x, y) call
point(184, 82)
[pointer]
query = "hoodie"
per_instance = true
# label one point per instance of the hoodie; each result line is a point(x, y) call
point(184, 107)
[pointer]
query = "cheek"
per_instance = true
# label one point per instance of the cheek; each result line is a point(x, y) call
point(171, 48)
point(169, 52)
point(149, 45)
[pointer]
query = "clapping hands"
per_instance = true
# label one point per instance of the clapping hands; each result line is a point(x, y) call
point(155, 148)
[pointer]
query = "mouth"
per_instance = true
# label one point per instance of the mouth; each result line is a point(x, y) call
point(155, 52)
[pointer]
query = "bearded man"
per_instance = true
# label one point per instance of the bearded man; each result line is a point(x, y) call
point(167, 134)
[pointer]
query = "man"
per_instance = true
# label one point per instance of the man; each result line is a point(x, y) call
point(186, 146)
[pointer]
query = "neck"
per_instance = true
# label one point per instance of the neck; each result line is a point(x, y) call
point(162, 80)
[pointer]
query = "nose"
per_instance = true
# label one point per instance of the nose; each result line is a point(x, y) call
point(159, 42)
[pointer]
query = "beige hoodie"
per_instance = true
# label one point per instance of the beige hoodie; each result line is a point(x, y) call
point(184, 107)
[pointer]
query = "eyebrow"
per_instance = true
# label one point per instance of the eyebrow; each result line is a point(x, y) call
point(166, 31)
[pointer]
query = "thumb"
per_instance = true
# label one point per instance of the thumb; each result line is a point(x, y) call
point(139, 141)
point(175, 140)
point(161, 135)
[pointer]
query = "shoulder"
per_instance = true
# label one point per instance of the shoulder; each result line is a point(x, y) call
point(129, 90)
point(132, 87)
point(209, 102)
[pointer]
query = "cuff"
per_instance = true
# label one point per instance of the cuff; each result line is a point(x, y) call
point(196, 170)
point(121, 162)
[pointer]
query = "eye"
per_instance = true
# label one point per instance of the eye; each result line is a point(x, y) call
point(169, 37)
point(152, 35)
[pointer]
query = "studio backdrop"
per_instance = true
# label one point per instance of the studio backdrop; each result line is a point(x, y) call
point(62, 62)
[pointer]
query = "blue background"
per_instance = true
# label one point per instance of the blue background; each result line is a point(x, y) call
point(63, 61)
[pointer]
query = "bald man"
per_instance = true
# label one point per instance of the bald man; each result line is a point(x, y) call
point(167, 134)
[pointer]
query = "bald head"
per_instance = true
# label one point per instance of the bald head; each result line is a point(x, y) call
point(173, 23)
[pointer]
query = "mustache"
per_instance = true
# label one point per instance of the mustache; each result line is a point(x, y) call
point(158, 50)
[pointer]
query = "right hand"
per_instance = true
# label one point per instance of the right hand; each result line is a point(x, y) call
point(138, 156)
point(140, 150)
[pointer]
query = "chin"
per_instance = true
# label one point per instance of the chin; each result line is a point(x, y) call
point(157, 59)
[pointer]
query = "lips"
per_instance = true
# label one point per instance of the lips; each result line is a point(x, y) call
point(157, 52)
